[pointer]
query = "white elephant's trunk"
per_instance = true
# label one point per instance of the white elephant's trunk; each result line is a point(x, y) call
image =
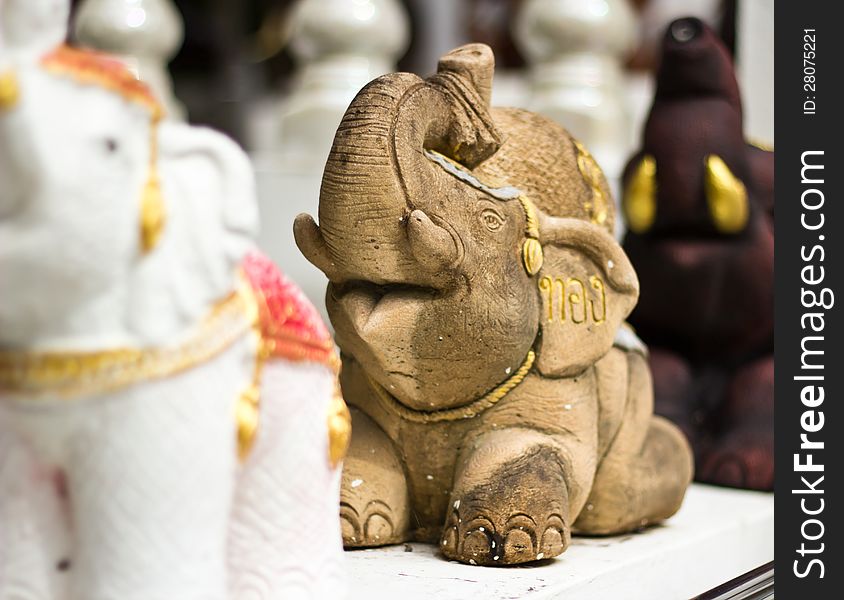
point(31, 28)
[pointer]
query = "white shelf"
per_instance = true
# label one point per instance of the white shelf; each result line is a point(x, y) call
point(717, 535)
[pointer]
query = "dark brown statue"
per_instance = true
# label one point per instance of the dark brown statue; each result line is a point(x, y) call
point(699, 202)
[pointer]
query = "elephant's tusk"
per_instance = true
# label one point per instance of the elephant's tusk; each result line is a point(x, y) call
point(310, 241)
point(434, 247)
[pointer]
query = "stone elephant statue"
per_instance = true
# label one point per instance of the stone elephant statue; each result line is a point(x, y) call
point(478, 297)
point(170, 417)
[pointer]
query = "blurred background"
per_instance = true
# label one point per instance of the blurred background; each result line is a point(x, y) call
point(277, 75)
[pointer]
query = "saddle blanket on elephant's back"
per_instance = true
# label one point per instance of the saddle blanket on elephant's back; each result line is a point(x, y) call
point(290, 325)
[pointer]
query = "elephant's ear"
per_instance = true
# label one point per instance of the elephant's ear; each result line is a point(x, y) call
point(586, 287)
point(211, 218)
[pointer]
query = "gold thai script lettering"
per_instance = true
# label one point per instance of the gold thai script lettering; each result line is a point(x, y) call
point(569, 298)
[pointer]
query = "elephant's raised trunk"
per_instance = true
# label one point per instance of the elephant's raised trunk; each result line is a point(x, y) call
point(361, 202)
point(377, 173)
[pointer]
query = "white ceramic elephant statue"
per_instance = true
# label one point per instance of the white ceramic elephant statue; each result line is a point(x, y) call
point(170, 422)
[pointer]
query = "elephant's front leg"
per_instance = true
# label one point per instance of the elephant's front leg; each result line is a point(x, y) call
point(374, 503)
point(150, 474)
point(509, 503)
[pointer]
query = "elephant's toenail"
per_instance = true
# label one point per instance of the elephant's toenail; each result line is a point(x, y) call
point(729, 471)
point(449, 541)
point(348, 529)
point(552, 542)
point(518, 546)
point(378, 528)
point(477, 544)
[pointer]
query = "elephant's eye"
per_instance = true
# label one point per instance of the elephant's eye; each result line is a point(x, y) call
point(491, 219)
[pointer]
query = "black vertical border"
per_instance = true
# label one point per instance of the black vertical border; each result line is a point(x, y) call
point(795, 134)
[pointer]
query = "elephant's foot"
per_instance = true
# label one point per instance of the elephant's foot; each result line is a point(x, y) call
point(636, 488)
point(509, 504)
point(742, 455)
point(741, 459)
point(374, 505)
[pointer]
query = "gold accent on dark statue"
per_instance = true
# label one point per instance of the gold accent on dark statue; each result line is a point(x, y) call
point(726, 196)
point(761, 144)
point(640, 196)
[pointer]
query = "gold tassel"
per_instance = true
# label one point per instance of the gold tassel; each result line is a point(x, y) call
point(248, 409)
point(640, 196)
point(247, 420)
point(726, 196)
point(9, 90)
point(339, 428)
point(153, 213)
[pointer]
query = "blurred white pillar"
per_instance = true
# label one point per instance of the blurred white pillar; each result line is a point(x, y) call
point(340, 46)
point(439, 26)
point(145, 34)
point(575, 50)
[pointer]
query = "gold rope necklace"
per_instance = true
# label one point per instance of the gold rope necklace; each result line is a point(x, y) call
point(71, 374)
point(468, 411)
